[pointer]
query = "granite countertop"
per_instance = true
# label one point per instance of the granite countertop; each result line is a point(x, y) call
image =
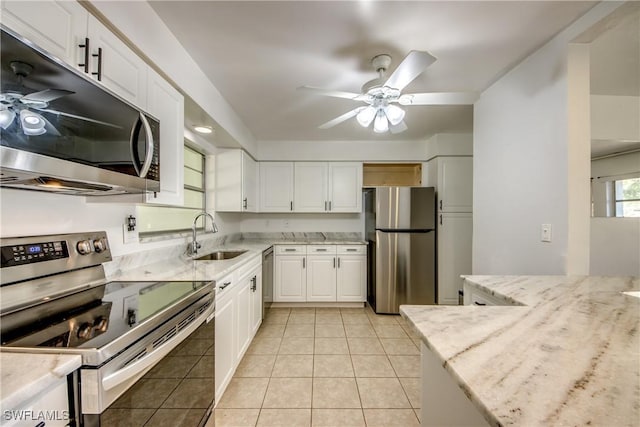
point(184, 267)
point(25, 375)
point(569, 355)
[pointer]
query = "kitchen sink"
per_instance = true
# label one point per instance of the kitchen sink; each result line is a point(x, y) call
point(220, 255)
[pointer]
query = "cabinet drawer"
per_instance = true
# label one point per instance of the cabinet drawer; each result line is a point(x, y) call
point(224, 285)
point(321, 249)
point(291, 249)
point(352, 249)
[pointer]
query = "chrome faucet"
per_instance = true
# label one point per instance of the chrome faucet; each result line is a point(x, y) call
point(192, 249)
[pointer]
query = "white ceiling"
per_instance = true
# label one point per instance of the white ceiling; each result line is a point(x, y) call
point(258, 53)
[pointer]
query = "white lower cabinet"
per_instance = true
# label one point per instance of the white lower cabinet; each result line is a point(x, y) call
point(225, 342)
point(238, 317)
point(320, 273)
point(352, 278)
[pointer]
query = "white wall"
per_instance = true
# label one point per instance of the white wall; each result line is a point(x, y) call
point(615, 247)
point(521, 162)
point(615, 117)
point(342, 150)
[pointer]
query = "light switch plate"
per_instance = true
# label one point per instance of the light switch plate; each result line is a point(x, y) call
point(545, 233)
point(129, 236)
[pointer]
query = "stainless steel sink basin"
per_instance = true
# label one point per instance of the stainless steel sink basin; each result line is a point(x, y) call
point(220, 255)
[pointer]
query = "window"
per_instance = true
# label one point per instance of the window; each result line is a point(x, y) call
point(627, 197)
point(167, 219)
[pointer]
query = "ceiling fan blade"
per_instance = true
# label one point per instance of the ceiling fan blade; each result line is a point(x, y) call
point(400, 127)
point(439, 98)
point(60, 113)
point(331, 93)
point(342, 118)
point(411, 67)
point(46, 95)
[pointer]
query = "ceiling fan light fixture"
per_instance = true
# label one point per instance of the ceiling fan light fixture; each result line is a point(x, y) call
point(6, 117)
point(394, 114)
point(381, 124)
point(366, 116)
point(32, 123)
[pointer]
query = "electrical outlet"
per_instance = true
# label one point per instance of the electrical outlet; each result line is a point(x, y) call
point(545, 233)
point(129, 236)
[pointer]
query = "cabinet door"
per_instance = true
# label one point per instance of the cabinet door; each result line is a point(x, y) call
point(243, 316)
point(58, 27)
point(167, 105)
point(225, 343)
point(256, 301)
point(276, 186)
point(454, 254)
point(321, 277)
point(345, 187)
point(122, 71)
point(311, 181)
point(455, 184)
point(352, 278)
point(229, 181)
point(290, 278)
point(249, 184)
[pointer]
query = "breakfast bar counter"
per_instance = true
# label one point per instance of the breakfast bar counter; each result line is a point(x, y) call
point(563, 350)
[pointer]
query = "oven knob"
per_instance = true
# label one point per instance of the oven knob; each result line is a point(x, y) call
point(101, 324)
point(84, 247)
point(100, 245)
point(85, 331)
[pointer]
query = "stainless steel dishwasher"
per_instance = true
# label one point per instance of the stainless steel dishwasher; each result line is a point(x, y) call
point(267, 279)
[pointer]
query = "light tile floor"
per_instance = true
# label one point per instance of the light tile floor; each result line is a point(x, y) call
point(326, 367)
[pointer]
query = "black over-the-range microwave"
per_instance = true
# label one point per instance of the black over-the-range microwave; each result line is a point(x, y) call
point(62, 132)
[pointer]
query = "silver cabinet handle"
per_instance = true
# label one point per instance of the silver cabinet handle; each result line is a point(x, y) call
point(254, 283)
point(304, 262)
point(244, 203)
point(321, 250)
point(334, 262)
point(478, 303)
point(338, 262)
point(325, 205)
point(440, 204)
point(224, 285)
point(289, 250)
point(351, 250)
point(329, 205)
point(441, 219)
point(291, 205)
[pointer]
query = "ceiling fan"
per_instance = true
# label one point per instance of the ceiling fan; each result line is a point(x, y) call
point(381, 95)
point(13, 103)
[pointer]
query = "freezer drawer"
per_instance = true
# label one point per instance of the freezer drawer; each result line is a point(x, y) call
point(405, 270)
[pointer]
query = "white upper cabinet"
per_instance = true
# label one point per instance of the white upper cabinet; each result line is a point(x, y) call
point(167, 105)
point(276, 186)
point(66, 30)
point(236, 182)
point(116, 66)
point(453, 179)
point(328, 187)
point(345, 187)
point(311, 185)
point(58, 27)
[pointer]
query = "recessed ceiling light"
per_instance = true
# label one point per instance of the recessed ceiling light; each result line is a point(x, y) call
point(203, 129)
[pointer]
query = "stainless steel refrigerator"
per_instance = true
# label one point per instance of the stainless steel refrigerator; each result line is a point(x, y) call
point(400, 226)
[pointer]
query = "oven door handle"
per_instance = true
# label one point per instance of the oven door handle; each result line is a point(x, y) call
point(140, 366)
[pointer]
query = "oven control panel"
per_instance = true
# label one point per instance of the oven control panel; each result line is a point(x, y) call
point(33, 252)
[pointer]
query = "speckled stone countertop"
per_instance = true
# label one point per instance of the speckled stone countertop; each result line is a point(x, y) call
point(184, 267)
point(23, 376)
point(569, 355)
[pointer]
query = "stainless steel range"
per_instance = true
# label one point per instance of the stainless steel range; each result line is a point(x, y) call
point(147, 347)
